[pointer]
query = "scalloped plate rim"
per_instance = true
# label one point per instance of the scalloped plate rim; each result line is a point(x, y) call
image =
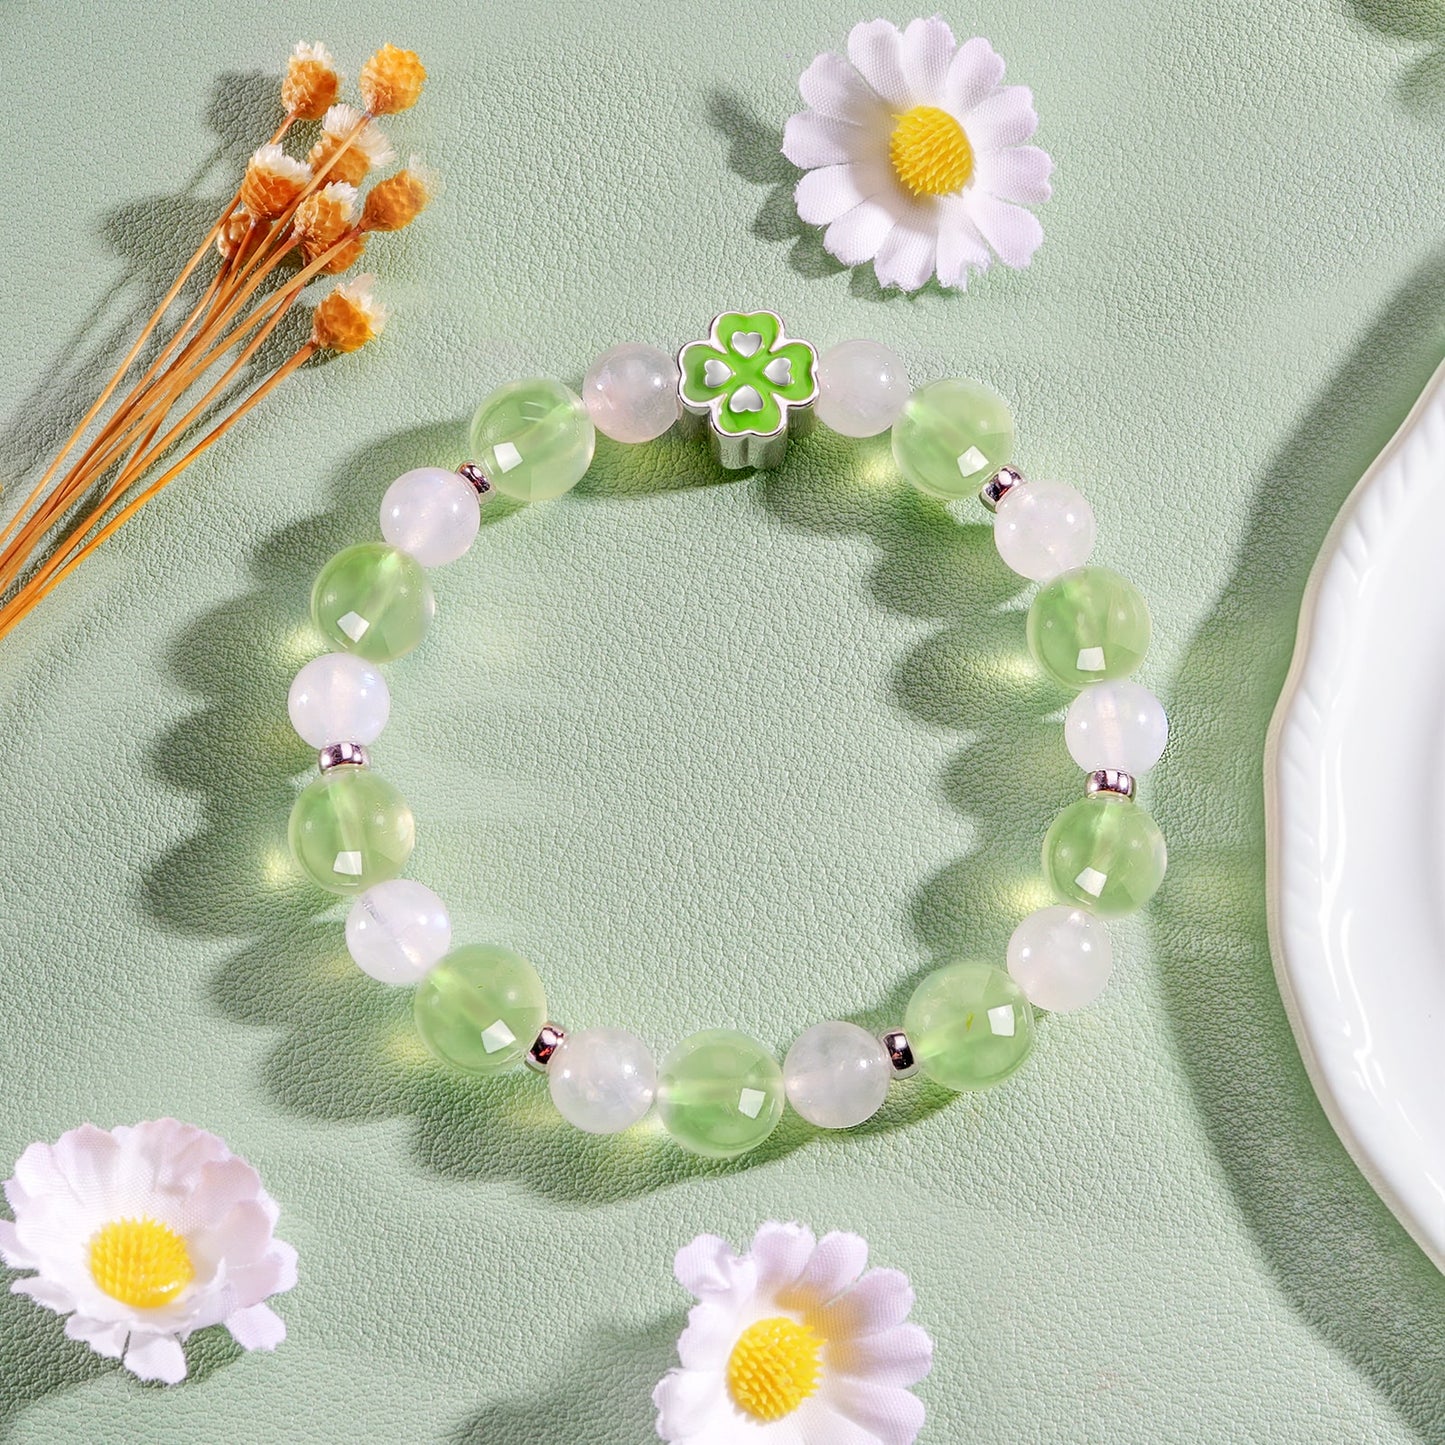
point(1365, 1134)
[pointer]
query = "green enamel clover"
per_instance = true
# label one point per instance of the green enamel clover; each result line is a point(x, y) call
point(747, 377)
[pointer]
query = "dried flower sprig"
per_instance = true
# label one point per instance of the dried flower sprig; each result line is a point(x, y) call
point(289, 222)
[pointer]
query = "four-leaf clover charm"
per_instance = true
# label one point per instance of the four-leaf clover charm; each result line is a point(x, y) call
point(747, 377)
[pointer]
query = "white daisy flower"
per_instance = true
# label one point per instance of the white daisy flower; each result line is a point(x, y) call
point(793, 1344)
point(141, 1236)
point(915, 155)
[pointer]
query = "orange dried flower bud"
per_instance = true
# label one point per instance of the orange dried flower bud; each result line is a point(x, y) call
point(323, 217)
point(232, 236)
point(369, 146)
point(311, 82)
point(349, 317)
point(272, 181)
point(345, 256)
point(391, 80)
point(397, 201)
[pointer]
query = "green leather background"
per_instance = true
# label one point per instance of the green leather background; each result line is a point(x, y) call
point(753, 753)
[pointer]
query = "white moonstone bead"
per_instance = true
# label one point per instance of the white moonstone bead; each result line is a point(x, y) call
point(836, 1075)
point(1116, 725)
point(1044, 528)
point(602, 1080)
point(862, 387)
point(631, 392)
point(397, 931)
point(1061, 957)
point(339, 698)
point(431, 513)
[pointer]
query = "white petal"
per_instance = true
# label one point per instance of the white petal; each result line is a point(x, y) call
point(223, 1184)
point(706, 1266)
point(257, 1328)
point(781, 1252)
point(686, 1401)
point(893, 1416)
point(88, 1158)
point(960, 247)
point(274, 1273)
point(876, 48)
point(1012, 231)
point(1006, 118)
point(1017, 173)
point(15, 1255)
point(46, 1292)
point(900, 1356)
point(820, 1424)
point(812, 140)
point(927, 51)
point(836, 1263)
point(712, 1331)
point(906, 259)
point(37, 1173)
point(879, 1301)
point(240, 1238)
point(156, 1357)
point(856, 237)
point(976, 69)
point(828, 192)
point(833, 88)
point(105, 1337)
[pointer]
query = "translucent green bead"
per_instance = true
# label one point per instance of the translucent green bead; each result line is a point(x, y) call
point(952, 437)
point(374, 601)
point(720, 1093)
point(1088, 625)
point(533, 439)
point(349, 829)
point(480, 1009)
point(1105, 854)
point(970, 1025)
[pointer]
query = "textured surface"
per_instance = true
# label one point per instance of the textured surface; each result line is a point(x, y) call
point(752, 753)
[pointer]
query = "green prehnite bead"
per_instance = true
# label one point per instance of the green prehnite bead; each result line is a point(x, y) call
point(1106, 854)
point(720, 1093)
point(1088, 625)
point(970, 1025)
point(533, 439)
point(349, 829)
point(480, 1009)
point(952, 437)
point(374, 601)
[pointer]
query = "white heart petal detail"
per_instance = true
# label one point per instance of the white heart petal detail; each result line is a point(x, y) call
point(779, 371)
point(745, 399)
point(747, 343)
point(715, 372)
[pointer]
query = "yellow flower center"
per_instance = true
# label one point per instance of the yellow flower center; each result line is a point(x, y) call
point(930, 152)
point(774, 1367)
point(140, 1262)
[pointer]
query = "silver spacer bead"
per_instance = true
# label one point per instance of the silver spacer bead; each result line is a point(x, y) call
point(342, 755)
point(900, 1053)
point(1109, 780)
point(549, 1039)
point(476, 476)
point(999, 486)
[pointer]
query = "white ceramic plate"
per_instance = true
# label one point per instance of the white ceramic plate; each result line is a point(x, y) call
point(1355, 806)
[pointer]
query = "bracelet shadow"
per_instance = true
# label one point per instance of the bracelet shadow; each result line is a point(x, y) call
point(347, 1049)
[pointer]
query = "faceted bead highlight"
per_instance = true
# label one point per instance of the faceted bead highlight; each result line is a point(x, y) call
point(951, 437)
point(837, 1075)
point(480, 1009)
point(720, 1093)
point(1088, 625)
point(602, 1081)
point(533, 439)
point(1061, 957)
point(1106, 854)
point(970, 1025)
point(373, 600)
point(350, 829)
point(396, 931)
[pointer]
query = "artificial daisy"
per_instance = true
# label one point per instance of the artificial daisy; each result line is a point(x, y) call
point(793, 1344)
point(143, 1235)
point(915, 155)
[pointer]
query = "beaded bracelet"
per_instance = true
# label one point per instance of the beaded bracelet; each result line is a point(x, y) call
point(969, 1024)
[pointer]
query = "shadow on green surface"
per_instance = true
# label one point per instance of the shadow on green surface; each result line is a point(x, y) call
point(1350, 1270)
point(348, 1049)
point(1421, 85)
